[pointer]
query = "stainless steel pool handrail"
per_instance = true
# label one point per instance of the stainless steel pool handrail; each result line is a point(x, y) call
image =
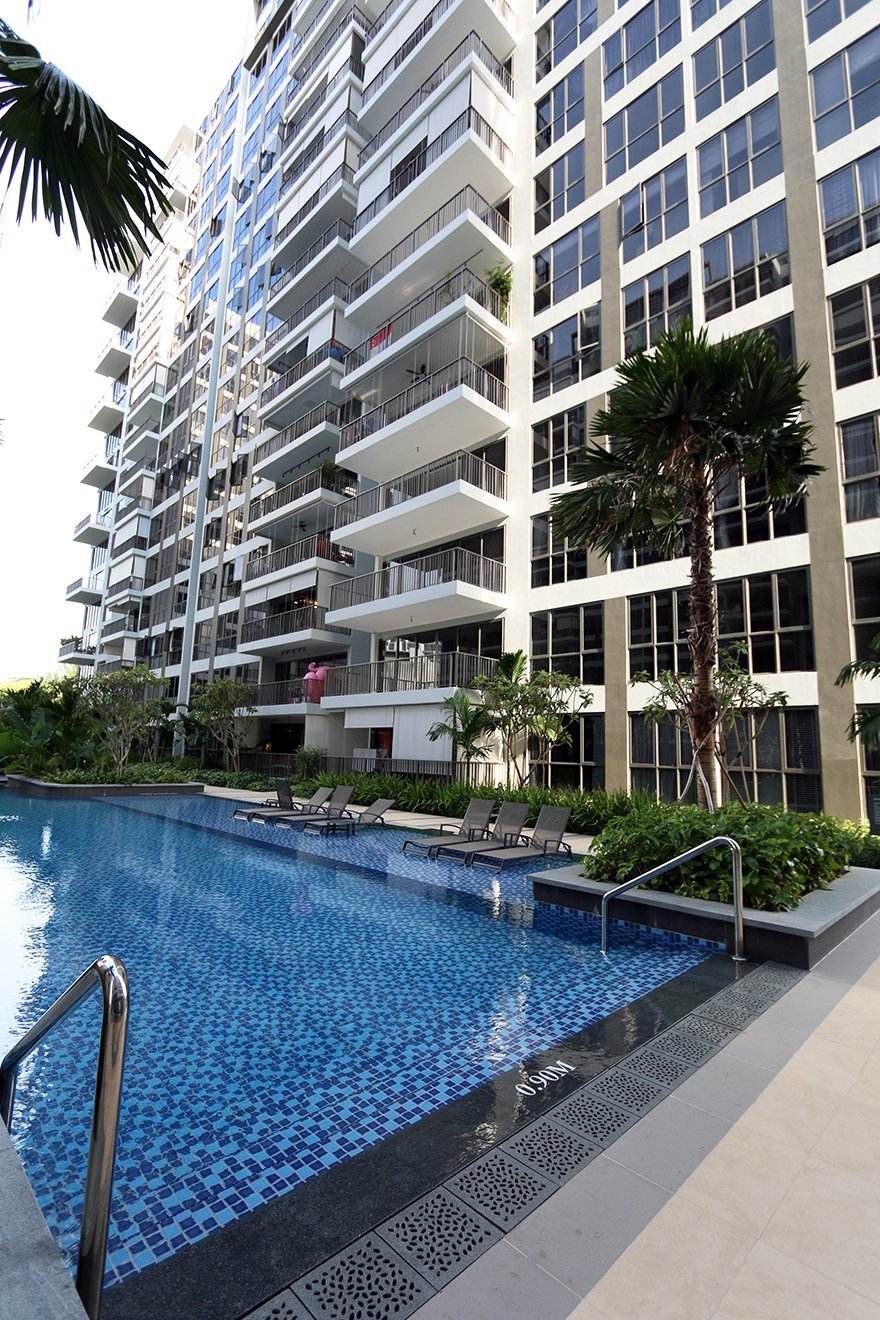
point(108, 972)
point(720, 841)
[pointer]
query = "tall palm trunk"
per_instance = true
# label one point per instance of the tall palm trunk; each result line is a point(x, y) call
point(703, 719)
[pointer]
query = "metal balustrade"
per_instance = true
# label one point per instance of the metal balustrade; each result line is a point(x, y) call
point(338, 482)
point(339, 229)
point(419, 673)
point(460, 466)
point(75, 648)
point(468, 199)
point(126, 585)
point(324, 413)
point(472, 45)
point(461, 283)
point(303, 619)
point(300, 75)
point(155, 383)
point(335, 288)
point(292, 130)
point(469, 121)
point(462, 372)
point(348, 119)
point(316, 546)
point(406, 48)
point(286, 692)
point(103, 519)
point(330, 352)
point(446, 566)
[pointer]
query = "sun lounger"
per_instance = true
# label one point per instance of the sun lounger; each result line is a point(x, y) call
point(507, 828)
point(335, 808)
point(473, 827)
point(350, 823)
point(545, 841)
point(289, 808)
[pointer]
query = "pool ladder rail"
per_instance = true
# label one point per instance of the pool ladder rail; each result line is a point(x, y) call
point(720, 841)
point(108, 972)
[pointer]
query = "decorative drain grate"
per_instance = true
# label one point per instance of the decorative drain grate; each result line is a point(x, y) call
point(501, 1188)
point(439, 1235)
point(367, 1281)
point(774, 974)
point(554, 1151)
point(637, 1093)
point(283, 1307)
point(660, 1067)
point(686, 1044)
point(711, 1031)
point(593, 1117)
point(732, 1013)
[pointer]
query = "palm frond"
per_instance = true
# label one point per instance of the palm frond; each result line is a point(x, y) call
point(75, 163)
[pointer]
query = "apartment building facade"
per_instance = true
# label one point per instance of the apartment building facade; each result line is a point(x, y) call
point(342, 454)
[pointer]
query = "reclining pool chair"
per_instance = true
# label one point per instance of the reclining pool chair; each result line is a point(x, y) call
point(473, 827)
point(372, 815)
point(545, 841)
point(505, 832)
point(285, 808)
point(333, 810)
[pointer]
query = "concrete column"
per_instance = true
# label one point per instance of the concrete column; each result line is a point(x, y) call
point(616, 718)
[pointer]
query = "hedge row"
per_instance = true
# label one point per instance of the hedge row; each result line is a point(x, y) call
point(167, 772)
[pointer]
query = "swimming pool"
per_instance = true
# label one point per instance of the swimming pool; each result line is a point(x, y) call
point(288, 1011)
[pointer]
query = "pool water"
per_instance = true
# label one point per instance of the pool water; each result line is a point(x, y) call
point(287, 1010)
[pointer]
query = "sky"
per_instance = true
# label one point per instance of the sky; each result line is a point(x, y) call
point(152, 65)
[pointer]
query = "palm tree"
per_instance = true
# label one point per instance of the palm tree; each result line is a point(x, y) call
point(464, 726)
point(683, 420)
point(865, 723)
point(74, 161)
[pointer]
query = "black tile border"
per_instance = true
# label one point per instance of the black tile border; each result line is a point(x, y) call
point(256, 1259)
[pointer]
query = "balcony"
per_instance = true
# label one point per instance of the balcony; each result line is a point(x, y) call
point(472, 45)
point(469, 148)
point(326, 256)
point(116, 630)
point(290, 502)
point(312, 434)
point(447, 587)
point(335, 290)
point(308, 553)
point(319, 373)
point(99, 472)
point(437, 674)
point(76, 653)
point(128, 591)
point(447, 24)
point(453, 496)
point(344, 124)
point(292, 130)
point(462, 399)
point(115, 356)
point(123, 302)
point(147, 394)
point(289, 696)
point(460, 231)
point(132, 478)
point(95, 529)
point(301, 73)
point(108, 409)
point(305, 627)
point(86, 591)
point(142, 442)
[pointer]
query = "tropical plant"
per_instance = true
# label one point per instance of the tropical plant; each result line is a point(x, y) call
point(220, 708)
point(123, 711)
point(44, 725)
point(865, 723)
point(464, 726)
point(525, 707)
point(76, 164)
point(500, 279)
point(682, 421)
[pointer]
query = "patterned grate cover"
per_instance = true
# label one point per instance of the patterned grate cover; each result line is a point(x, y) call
point(501, 1188)
point(367, 1281)
point(637, 1093)
point(551, 1149)
point(439, 1235)
point(593, 1117)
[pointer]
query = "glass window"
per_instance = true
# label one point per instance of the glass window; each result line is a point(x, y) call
point(553, 560)
point(563, 33)
point(742, 516)
point(703, 10)
point(855, 333)
point(570, 641)
point(866, 604)
point(559, 187)
point(741, 157)
point(860, 455)
point(655, 303)
point(654, 211)
point(641, 42)
point(846, 90)
point(556, 443)
point(566, 353)
point(823, 15)
point(851, 207)
point(568, 265)
point(774, 758)
point(637, 131)
point(738, 57)
point(561, 109)
point(747, 262)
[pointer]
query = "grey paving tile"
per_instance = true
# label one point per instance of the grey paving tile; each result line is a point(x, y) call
point(286, 1306)
point(502, 1285)
point(20, 1215)
point(439, 1235)
point(800, 1010)
point(579, 1233)
point(766, 1044)
point(668, 1144)
point(725, 1085)
point(34, 1285)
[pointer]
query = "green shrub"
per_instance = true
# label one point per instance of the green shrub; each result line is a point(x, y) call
point(785, 854)
point(865, 846)
point(184, 771)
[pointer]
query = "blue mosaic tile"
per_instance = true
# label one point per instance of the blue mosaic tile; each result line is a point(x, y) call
point(294, 1000)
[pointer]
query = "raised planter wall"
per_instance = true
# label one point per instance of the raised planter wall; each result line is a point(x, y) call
point(44, 788)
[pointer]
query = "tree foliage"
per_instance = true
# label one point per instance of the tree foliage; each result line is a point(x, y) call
point(682, 421)
point(122, 709)
point(865, 723)
point(220, 709)
point(522, 707)
point(464, 726)
point(46, 725)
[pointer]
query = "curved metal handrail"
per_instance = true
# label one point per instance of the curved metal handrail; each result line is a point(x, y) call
point(108, 972)
point(720, 841)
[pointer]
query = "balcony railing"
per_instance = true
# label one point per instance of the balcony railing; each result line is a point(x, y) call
point(460, 466)
point(406, 48)
point(420, 673)
point(149, 425)
point(301, 75)
point(324, 413)
point(335, 288)
point(472, 45)
point(428, 305)
point(463, 372)
point(117, 626)
point(317, 546)
point(417, 574)
point(132, 584)
point(292, 130)
point(75, 648)
point(329, 352)
point(468, 199)
point(287, 692)
point(303, 619)
point(348, 119)
point(469, 121)
point(92, 583)
point(339, 229)
point(94, 519)
point(338, 482)
point(123, 339)
point(155, 383)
